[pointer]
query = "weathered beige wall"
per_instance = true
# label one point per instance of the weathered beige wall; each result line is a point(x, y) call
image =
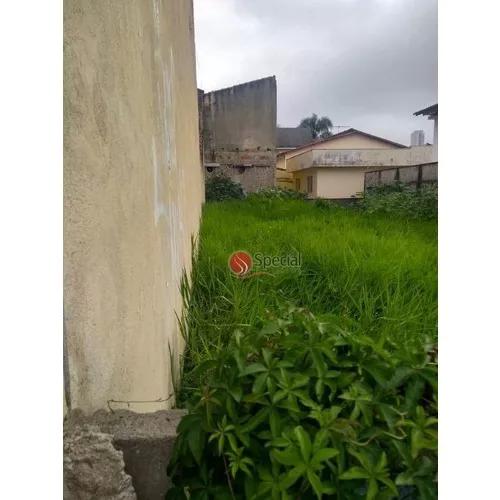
point(339, 183)
point(132, 195)
point(303, 175)
point(372, 159)
point(332, 183)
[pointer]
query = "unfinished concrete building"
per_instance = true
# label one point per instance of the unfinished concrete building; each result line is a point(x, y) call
point(239, 133)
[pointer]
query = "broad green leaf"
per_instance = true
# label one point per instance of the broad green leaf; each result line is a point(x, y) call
point(389, 414)
point(413, 393)
point(304, 442)
point(427, 489)
point(300, 381)
point(253, 368)
point(322, 455)
point(291, 477)
point(275, 423)
point(279, 442)
point(315, 482)
point(354, 473)
point(255, 420)
point(278, 396)
point(232, 442)
point(372, 489)
point(320, 439)
point(260, 382)
point(196, 442)
point(288, 457)
point(389, 484)
point(363, 458)
point(382, 463)
point(236, 391)
point(399, 376)
point(405, 479)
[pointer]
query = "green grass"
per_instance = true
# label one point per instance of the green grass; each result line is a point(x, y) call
point(369, 274)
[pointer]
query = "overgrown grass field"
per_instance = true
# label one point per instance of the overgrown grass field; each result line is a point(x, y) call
point(368, 274)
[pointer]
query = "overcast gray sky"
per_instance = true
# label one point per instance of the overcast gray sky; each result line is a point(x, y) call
point(369, 64)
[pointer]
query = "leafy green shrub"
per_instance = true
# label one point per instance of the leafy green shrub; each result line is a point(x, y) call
point(403, 200)
point(297, 409)
point(221, 187)
point(276, 193)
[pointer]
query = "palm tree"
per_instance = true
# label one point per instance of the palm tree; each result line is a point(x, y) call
point(320, 127)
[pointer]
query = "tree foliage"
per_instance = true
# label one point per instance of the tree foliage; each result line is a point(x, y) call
point(320, 127)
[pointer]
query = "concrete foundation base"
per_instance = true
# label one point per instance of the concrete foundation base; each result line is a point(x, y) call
point(145, 439)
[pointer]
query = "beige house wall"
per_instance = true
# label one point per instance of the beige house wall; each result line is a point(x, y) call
point(339, 183)
point(132, 197)
point(303, 175)
point(349, 142)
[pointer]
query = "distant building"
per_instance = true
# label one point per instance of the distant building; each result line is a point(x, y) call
point(432, 114)
point(335, 167)
point(417, 138)
point(239, 133)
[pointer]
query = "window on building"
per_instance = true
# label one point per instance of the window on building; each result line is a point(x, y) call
point(297, 184)
point(309, 183)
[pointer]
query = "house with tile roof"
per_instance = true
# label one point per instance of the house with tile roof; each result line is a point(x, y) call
point(335, 167)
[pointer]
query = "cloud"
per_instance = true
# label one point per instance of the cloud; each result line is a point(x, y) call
point(368, 64)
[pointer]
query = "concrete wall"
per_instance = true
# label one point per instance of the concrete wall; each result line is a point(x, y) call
point(132, 196)
point(413, 176)
point(239, 129)
point(251, 178)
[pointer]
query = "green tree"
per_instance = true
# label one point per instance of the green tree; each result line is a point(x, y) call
point(320, 127)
